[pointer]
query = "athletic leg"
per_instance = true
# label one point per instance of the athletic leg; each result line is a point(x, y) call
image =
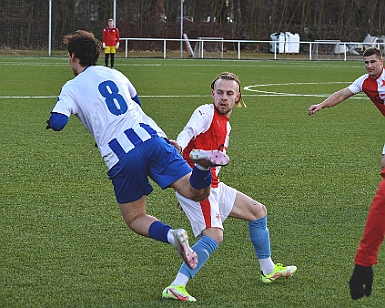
point(112, 60)
point(106, 59)
point(195, 185)
point(134, 214)
point(177, 290)
point(206, 223)
point(256, 214)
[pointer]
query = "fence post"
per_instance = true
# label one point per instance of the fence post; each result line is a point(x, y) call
point(49, 28)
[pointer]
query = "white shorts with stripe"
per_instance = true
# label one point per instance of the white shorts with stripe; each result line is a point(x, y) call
point(212, 212)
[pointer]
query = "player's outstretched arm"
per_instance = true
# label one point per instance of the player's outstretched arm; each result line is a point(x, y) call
point(313, 109)
point(331, 101)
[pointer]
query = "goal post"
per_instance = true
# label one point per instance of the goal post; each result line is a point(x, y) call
point(209, 47)
point(328, 49)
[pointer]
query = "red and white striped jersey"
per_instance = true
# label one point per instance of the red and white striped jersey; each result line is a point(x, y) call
point(206, 130)
point(373, 88)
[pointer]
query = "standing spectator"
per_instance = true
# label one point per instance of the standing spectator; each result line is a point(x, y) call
point(110, 41)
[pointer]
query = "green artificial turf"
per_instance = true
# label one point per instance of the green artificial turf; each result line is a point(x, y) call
point(63, 240)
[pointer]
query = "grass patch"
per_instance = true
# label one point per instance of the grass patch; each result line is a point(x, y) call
point(64, 243)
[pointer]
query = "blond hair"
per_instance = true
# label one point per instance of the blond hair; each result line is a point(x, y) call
point(230, 76)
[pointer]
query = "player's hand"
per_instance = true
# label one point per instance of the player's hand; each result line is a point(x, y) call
point(176, 145)
point(361, 281)
point(313, 108)
point(117, 46)
point(48, 125)
point(104, 45)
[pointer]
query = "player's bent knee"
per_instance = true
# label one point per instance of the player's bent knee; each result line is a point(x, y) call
point(202, 195)
point(215, 233)
point(264, 210)
point(259, 210)
point(131, 211)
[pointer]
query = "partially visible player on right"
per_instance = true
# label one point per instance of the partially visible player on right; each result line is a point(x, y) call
point(209, 129)
point(366, 256)
point(372, 84)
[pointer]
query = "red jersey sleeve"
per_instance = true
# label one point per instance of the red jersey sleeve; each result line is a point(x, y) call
point(104, 36)
point(117, 35)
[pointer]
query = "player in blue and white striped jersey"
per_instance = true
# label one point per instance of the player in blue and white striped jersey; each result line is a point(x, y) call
point(133, 146)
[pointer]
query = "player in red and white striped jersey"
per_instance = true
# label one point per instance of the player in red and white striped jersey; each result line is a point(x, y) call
point(372, 84)
point(209, 129)
point(366, 255)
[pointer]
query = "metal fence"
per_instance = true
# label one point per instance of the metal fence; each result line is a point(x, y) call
point(25, 24)
point(244, 49)
point(29, 25)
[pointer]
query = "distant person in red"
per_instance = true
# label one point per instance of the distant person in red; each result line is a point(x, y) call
point(366, 256)
point(110, 42)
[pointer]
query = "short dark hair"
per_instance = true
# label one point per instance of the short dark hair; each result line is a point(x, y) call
point(84, 45)
point(373, 51)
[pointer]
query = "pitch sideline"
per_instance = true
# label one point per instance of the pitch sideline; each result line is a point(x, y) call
point(251, 88)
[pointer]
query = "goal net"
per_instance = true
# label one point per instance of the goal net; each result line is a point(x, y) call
point(328, 50)
point(209, 47)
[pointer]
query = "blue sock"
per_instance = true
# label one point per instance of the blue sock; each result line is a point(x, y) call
point(260, 238)
point(158, 231)
point(204, 248)
point(200, 178)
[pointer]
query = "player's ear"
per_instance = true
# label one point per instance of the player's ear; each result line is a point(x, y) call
point(72, 56)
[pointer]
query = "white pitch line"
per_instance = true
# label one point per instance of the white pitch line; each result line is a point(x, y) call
point(27, 97)
point(267, 94)
point(261, 93)
point(274, 93)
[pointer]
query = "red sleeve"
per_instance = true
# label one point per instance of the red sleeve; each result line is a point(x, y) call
point(117, 35)
point(104, 36)
point(374, 229)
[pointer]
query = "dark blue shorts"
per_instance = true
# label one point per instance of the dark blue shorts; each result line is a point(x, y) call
point(154, 158)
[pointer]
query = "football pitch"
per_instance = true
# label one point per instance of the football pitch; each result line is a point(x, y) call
point(63, 240)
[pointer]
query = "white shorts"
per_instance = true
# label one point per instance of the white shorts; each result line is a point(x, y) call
point(212, 212)
point(383, 150)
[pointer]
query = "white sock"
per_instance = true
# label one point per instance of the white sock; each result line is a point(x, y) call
point(170, 238)
point(267, 265)
point(180, 279)
point(202, 168)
